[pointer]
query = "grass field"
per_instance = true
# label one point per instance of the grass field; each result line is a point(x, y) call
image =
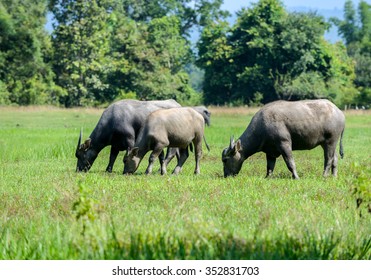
point(48, 211)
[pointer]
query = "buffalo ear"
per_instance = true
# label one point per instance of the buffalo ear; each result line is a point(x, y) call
point(87, 144)
point(134, 151)
point(234, 147)
point(238, 146)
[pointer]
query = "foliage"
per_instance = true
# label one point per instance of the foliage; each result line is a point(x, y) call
point(4, 94)
point(356, 31)
point(80, 43)
point(25, 76)
point(214, 56)
point(338, 86)
point(85, 208)
point(107, 50)
point(272, 52)
point(173, 217)
point(103, 50)
point(362, 188)
point(150, 59)
point(197, 13)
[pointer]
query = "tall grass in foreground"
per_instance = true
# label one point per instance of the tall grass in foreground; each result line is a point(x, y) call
point(47, 211)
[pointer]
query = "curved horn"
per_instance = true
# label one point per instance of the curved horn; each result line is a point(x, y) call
point(79, 142)
point(231, 143)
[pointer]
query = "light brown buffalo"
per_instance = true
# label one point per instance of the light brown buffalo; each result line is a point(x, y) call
point(177, 128)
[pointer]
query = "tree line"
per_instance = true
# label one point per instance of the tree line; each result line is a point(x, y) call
point(103, 50)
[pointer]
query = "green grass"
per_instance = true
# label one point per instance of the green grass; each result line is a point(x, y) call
point(47, 211)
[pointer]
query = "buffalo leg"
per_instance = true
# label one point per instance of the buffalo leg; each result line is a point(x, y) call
point(156, 153)
point(289, 159)
point(271, 162)
point(334, 167)
point(330, 160)
point(183, 155)
point(198, 155)
point(112, 158)
point(161, 158)
point(170, 154)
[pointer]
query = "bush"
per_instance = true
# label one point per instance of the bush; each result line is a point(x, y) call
point(4, 94)
point(362, 188)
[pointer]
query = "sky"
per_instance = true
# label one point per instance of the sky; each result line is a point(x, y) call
point(235, 5)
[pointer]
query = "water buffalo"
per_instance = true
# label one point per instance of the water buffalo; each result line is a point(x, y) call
point(280, 127)
point(204, 112)
point(176, 127)
point(118, 126)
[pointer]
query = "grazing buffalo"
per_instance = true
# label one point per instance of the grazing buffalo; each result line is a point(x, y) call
point(204, 112)
point(280, 127)
point(118, 126)
point(177, 128)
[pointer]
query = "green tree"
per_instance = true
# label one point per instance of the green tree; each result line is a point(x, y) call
point(336, 84)
point(355, 29)
point(190, 13)
point(81, 42)
point(25, 77)
point(214, 57)
point(150, 59)
point(269, 54)
point(111, 49)
point(348, 28)
point(255, 40)
point(365, 29)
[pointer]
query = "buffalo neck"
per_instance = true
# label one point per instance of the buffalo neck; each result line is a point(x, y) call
point(251, 141)
point(142, 144)
point(98, 141)
point(102, 133)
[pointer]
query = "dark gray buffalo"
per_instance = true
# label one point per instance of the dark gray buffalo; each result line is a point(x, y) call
point(283, 126)
point(177, 128)
point(118, 126)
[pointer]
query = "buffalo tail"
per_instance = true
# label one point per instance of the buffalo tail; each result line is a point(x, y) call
point(341, 151)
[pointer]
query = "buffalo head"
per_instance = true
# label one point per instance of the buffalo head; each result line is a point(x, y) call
point(206, 114)
point(231, 157)
point(131, 160)
point(85, 155)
